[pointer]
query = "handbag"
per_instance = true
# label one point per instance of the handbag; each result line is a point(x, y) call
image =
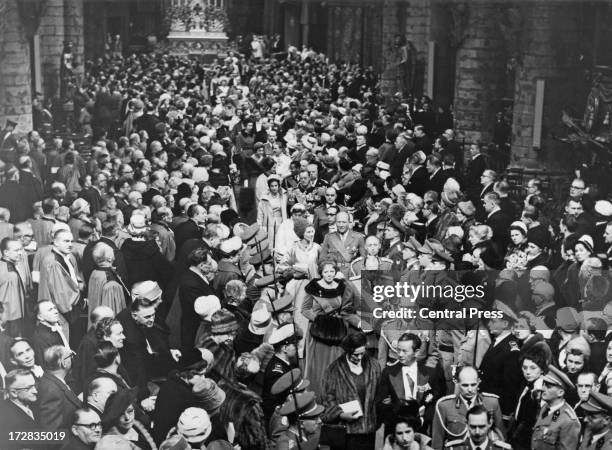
point(333, 436)
point(329, 330)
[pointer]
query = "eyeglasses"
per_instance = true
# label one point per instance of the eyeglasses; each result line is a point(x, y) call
point(70, 356)
point(24, 389)
point(90, 426)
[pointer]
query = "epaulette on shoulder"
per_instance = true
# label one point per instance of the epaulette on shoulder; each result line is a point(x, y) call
point(447, 397)
point(454, 443)
point(488, 394)
point(501, 444)
point(570, 412)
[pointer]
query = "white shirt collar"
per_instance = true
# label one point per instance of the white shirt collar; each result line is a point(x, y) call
point(501, 337)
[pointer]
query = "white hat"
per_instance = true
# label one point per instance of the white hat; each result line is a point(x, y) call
point(603, 207)
point(148, 289)
point(231, 245)
point(282, 334)
point(260, 322)
point(362, 129)
point(194, 425)
point(309, 142)
point(357, 168)
point(138, 224)
point(206, 305)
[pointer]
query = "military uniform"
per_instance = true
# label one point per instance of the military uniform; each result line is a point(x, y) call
point(275, 369)
point(600, 439)
point(467, 444)
point(559, 429)
point(450, 422)
point(601, 442)
point(303, 405)
point(358, 265)
point(395, 254)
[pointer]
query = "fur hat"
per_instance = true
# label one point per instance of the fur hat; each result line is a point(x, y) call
point(223, 322)
point(396, 211)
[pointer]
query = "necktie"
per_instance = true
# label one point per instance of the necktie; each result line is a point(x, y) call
point(545, 411)
point(410, 385)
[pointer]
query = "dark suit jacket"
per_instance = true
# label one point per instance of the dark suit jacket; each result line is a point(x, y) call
point(141, 365)
point(42, 339)
point(399, 159)
point(148, 196)
point(418, 181)
point(186, 230)
point(500, 224)
point(429, 380)
point(13, 419)
point(93, 197)
point(436, 182)
point(191, 287)
point(33, 185)
point(56, 403)
point(501, 373)
point(474, 170)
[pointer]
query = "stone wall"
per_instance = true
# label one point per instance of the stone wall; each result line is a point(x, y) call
point(480, 71)
point(551, 52)
point(15, 75)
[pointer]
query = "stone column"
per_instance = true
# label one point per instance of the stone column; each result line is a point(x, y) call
point(15, 90)
point(73, 30)
point(480, 70)
point(51, 31)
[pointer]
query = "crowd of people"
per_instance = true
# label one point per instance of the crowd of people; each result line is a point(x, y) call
point(202, 275)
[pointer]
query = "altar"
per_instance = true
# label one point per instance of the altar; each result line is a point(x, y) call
point(198, 29)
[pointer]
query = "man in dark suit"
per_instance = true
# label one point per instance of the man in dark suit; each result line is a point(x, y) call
point(109, 232)
point(146, 350)
point(487, 182)
point(190, 229)
point(409, 379)
point(16, 411)
point(387, 151)
point(421, 140)
point(85, 430)
point(97, 393)
point(405, 149)
point(33, 185)
point(56, 401)
point(7, 138)
point(500, 369)
point(415, 176)
point(194, 283)
point(93, 193)
point(158, 184)
point(436, 175)
point(48, 331)
point(498, 221)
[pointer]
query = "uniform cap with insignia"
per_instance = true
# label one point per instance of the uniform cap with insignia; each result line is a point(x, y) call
point(282, 334)
point(555, 376)
point(302, 404)
point(603, 208)
point(509, 315)
point(568, 319)
point(411, 244)
point(283, 304)
point(292, 381)
point(598, 402)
